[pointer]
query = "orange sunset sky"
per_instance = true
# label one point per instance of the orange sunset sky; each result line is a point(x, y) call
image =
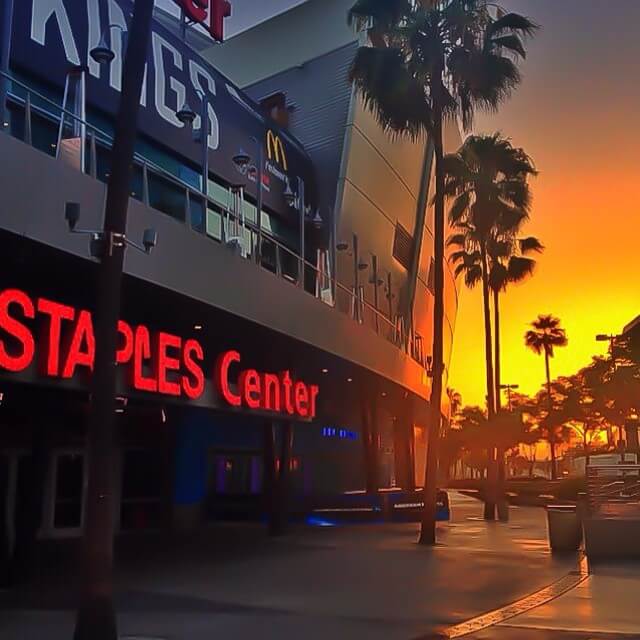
point(577, 115)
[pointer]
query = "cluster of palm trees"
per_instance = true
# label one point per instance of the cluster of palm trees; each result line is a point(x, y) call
point(426, 62)
point(487, 181)
point(583, 413)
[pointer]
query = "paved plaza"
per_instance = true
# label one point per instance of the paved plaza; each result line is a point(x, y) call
point(366, 581)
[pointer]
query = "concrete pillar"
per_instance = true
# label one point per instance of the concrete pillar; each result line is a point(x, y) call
point(403, 447)
point(190, 474)
point(269, 478)
point(370, 446)
point(283, 482)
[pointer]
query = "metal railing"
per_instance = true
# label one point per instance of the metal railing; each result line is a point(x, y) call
point(614, 490)
point(276, 257)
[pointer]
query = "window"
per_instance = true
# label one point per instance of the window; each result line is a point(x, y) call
point(167, 196)
point(431, 277)
point(402, 246)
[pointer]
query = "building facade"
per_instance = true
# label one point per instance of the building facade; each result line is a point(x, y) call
point(234, 363)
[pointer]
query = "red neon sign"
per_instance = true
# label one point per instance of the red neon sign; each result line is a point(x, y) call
point(208, 13)
point(160, 363)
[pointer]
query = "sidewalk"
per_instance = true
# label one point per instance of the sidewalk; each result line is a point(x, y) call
point(607, 602)
point(351, 582)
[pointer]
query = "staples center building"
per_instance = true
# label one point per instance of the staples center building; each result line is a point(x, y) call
point(229, 362)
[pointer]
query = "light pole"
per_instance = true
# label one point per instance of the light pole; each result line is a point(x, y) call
point(95, 619)
point(509, 388)
point(297, 201)
point(357, 267)
point(187, 115)
point(242, 161)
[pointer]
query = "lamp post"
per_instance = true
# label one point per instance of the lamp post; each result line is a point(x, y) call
point(187, 115)
point(296, 201)
point(509, 388)
point(95, 619)
point(242, 161)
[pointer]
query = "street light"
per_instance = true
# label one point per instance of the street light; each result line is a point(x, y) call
point(102, 52)
point(242, 160)
point(186, 115)
point(508, 388)
point(297, 201)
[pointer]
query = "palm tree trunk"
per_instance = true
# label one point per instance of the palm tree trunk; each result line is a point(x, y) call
point(501, 499)
point(586, 450)
point(554, 470)
point(490, 497)
point(95, 619)
point(496, 329)
point(428, 524)
point(418, 230)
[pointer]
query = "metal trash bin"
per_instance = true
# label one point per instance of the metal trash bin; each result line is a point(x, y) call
point(565, 528)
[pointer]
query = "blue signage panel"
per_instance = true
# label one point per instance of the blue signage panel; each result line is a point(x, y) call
point(50, 36)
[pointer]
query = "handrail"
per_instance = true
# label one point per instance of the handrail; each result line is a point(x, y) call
point(407, 342)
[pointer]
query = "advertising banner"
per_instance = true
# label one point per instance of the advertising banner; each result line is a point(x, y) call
point(52, 36)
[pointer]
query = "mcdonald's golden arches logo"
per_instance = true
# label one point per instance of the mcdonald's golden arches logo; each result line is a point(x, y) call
point(275, 150)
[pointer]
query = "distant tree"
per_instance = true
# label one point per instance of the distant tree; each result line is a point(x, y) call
point(574, 404)
point(544, 337)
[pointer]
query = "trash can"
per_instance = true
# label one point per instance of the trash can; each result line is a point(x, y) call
point(565, 528)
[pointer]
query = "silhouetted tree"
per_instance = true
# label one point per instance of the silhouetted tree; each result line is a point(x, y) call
point(426, 62)
point(544, 337)
point(487, 180)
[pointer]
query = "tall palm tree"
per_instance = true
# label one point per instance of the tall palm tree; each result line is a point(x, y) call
point(546, 335)
point(487, 180)
point(508, 263)
point(429, 60)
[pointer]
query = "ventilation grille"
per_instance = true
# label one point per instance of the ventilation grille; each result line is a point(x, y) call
point(402, 246)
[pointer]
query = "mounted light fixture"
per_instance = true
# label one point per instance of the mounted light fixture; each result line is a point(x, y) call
point(186, 115)
point(241, 160)
point(102, 52)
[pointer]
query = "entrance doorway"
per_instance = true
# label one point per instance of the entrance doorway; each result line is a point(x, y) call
point(68, 483)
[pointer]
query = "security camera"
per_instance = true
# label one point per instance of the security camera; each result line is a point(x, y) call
point(72, 214)
point(149, 239)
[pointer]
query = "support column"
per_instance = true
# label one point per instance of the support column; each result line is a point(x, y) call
point(4, 521)
point(403, 447)
point(190, 475)
point(369, 443)
point(269, 476)
point(283, 488)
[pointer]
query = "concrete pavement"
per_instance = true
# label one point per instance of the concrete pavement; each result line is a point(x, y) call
point(345, 582)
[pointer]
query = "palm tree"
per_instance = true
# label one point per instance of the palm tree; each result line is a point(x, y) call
point(546, 335)
point(488, 182)
point(509, 264)
point(429, 60)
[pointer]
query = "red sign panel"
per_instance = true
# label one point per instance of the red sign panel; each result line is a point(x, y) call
point(208, 13)
point(159, 363)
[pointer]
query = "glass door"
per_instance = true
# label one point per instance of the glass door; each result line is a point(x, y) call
point(69, 486)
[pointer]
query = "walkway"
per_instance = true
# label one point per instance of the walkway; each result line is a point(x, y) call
point(352, 582)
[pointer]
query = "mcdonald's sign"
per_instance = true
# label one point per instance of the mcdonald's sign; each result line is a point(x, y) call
point(275, 150)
